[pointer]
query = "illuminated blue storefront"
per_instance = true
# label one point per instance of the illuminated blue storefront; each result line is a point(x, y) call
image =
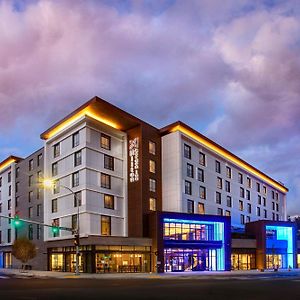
point(195, 242)
point(280, 247)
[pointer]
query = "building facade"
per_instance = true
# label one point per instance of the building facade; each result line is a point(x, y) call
point(143, 198)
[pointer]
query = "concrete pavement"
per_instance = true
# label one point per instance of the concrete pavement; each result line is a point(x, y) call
point(180, 275)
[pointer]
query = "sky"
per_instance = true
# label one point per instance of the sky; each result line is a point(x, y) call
point(228, 68)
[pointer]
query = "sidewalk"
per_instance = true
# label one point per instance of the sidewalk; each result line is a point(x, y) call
point(181, 275)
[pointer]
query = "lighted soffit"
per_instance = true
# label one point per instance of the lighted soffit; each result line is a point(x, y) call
point(229, 157)
point(88, 111)
point(6, 163)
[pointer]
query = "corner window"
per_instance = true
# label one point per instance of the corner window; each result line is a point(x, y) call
point(105, 141)
point(187, 151)
point(109, 201)
point(152, 148)
point(105, 181)
point(152, 167)
point(188, 187)
point(152, 204)
point(152, 185)
point(56, 150)
point(218, 166)
point(75, 139)
point(108, 162)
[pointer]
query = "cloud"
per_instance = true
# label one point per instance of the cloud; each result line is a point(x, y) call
point(232, 73)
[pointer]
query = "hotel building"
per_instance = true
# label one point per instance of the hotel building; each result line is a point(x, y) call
point(147, 199)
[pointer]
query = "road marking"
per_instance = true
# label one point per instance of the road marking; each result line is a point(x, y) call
point(4, 277)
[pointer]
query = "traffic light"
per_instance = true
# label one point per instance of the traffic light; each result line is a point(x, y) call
point(76, 240)
point(16, 222)
point(55, 230)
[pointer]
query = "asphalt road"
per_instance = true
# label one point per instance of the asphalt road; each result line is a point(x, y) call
point(242, 288)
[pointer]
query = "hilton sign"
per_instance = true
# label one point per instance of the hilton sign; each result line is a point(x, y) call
point(134, 160)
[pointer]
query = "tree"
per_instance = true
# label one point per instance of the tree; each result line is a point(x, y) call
point(23, 249)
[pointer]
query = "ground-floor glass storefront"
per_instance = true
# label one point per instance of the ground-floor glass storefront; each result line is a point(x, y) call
point(243, 261)
point(101, 259)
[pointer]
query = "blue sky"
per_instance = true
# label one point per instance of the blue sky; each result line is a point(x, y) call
point(229, 68)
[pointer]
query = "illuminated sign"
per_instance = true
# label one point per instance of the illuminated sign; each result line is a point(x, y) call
point(134, 160)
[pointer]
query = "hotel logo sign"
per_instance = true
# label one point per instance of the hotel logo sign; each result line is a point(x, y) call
point(134, 160)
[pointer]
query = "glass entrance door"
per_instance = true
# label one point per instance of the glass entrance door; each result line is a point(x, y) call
point(179, 260)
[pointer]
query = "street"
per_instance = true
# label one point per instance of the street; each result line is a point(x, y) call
point(242, 288)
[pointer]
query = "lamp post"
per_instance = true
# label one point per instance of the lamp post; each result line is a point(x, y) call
point(50, 183)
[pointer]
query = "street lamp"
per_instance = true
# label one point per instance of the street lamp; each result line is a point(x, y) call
point(48, 183)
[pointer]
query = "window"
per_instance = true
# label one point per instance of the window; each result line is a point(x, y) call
point(241, 205)
point(200, 175)
point(152, 168)
point(259, 199)
point(187, 151)
point(38, 193)
point(249, 183)
point(227, 213)
point(257, 187)
point(30, 196)
point(265, 214)
point(277, 207)
point(74, 222)
point(218, 198)
point(273, 216)
point(105, 181)
point(56, 150)
point(277, 196)
point(228, 172)
point(152, 204)
point(188, 187)
point(105, 225)
point(202, 159)
point(202, 192)
point(17, 186)
point(273, 195)
point(265, 190)
point(227, 186)
point(17, 201)
point(8, 235)
point(249, 208)
point(30, 212)
point(9, 204)
point(9, 177)
point(9, 190)
point(152, 147)
point(77, 158)
point(105, 141)
point(264, 201)
point(258, 211)
point(38, 232)
point(242, 219)
point(247, 219)
point(248, 195)
point(9, 220)
point(219, 183)
point(0, 207)
point(109, 201)
point(229, 201)
point(152, 185)
point(39, 176)
point(273, 205)
point(39, 159)
point(190, 206)
point(108, 162)
point(0, 181)
point(54, 169)
point(56, 187)
point(30, 165)
point(242, 192)
point(190, 171)
point(201, 209)
point(54, 205)
point(38, 210)
point(30, 232)
point(30, 180)
point(220, 212)
point(77, 199)
point(75, 139)
point(241, 178)
point(17, 172)
point(75, 179)
point(218, 166)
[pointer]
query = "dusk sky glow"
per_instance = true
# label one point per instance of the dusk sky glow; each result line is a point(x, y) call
point(230, 69)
